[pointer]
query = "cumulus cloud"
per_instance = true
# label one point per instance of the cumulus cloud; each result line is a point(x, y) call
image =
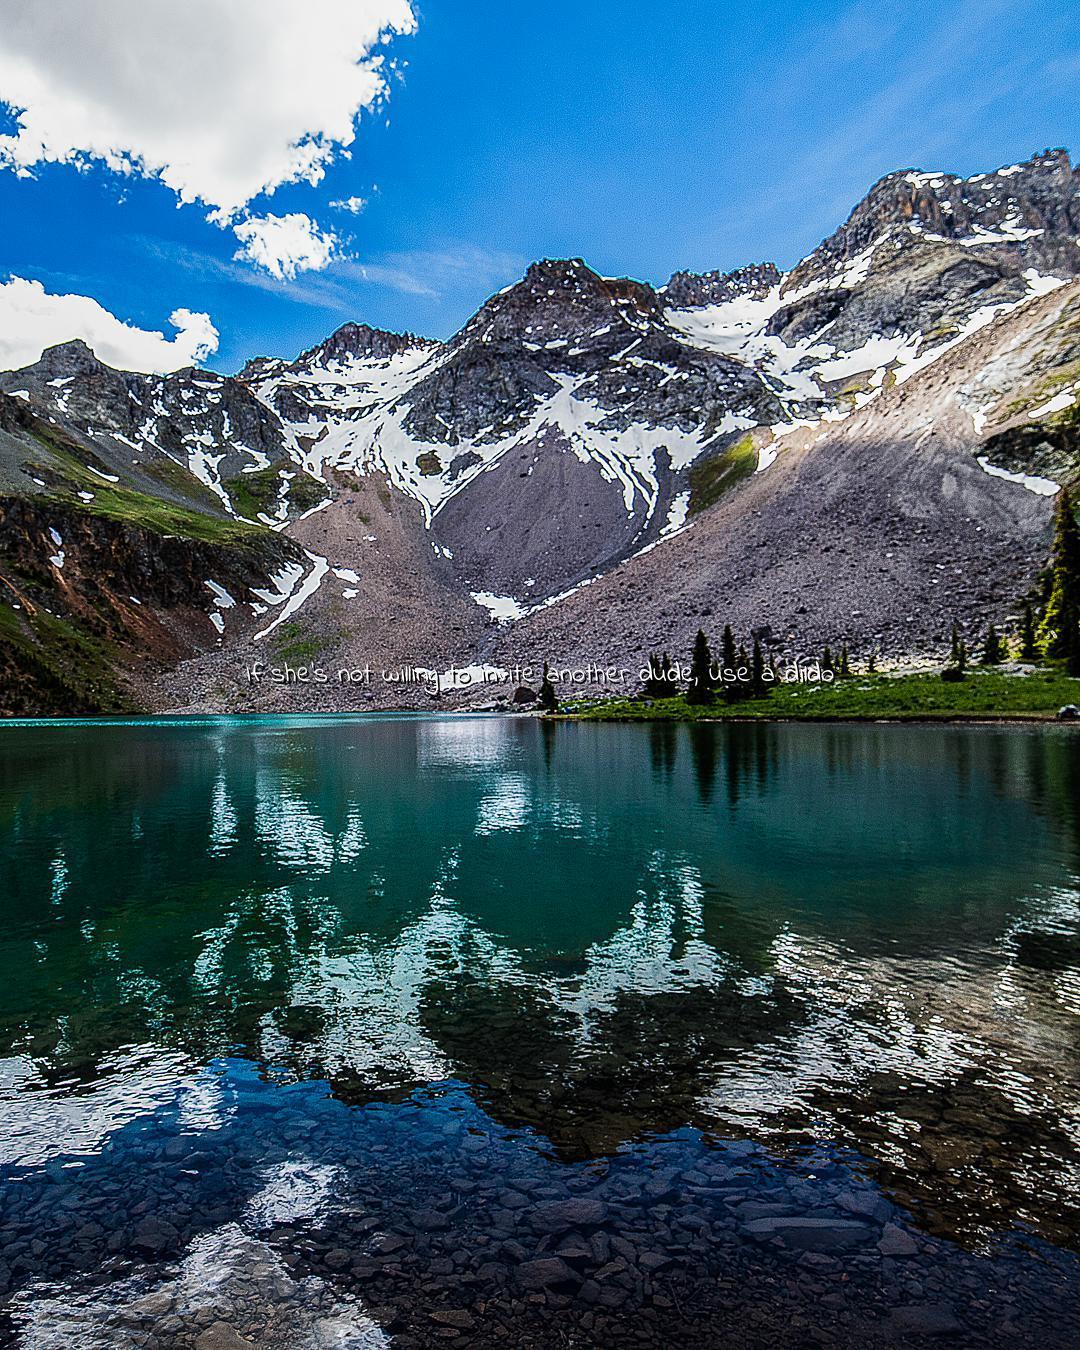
point(32, 319)
point(284, 245)
point(354, 205)
point(221, 102)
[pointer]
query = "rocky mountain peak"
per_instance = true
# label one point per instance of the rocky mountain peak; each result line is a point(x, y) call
point(1033, 208)
point(690, 290)
point(69, 377)
point(561, 298)
point(360, 342)
point(66, 358)
point(260, 368)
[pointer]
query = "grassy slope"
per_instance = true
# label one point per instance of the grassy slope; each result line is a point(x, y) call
point(904, 698)
point(153, 513)
point(712, 477)
point(70, 671)
point(251, 493)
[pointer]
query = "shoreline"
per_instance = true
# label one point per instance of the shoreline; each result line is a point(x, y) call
point(916, 719)
point(991, 697)
point(622, 718)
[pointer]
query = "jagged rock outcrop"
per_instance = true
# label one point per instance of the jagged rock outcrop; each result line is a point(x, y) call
point(686, 290)
point(922, 253)
point(564, 321)
point(354, 341)
point(141, 428)
point(1034, 208)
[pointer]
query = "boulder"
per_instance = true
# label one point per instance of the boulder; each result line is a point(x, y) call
point(545, 1271)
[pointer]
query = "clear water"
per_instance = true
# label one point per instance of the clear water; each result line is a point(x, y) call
point(491, 1031)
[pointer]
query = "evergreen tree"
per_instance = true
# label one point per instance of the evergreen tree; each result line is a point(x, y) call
point(702, 685)
point(729, 662)
point(758, 687)
point(657, 685)
point(548, 702)
point(993, 652)
point(1060, 620)
point(1029, 650)
point(826, 659)
point(871, 665)
point(728, 655)
point(741, 689)
point(844, 668)
point(957, 656)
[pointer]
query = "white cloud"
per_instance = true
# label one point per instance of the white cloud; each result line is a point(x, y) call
point(32, 319)
point(284, 245)
point(354, 205)
point(222, 102)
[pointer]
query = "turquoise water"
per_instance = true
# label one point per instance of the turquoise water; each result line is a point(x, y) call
point(415, 983)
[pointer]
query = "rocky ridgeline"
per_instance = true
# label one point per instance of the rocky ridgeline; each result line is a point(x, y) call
point(134, 425)
point(1034, 208)
point(922, 253)
point(688, 290)
point(608, 335)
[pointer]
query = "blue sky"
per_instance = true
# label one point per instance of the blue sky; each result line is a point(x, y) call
point(644, 137)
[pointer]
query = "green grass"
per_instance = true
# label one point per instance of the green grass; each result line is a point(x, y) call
point(251, 493)
point(59, 666)
point(1044, 389)
point(984, 694)
point(117, 502)
point(294, 647)
point(68, 476)
point(152, 513)
point(712, 477)
point(183, 482)
point(306, 491)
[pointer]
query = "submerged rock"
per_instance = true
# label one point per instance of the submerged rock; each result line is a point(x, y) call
point(809, 1233)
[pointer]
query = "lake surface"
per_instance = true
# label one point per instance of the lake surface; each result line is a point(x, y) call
point(492, 1031)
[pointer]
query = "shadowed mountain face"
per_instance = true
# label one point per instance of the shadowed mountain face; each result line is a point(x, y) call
point(574, 423)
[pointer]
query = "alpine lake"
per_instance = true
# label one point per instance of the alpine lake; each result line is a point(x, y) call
point(402, 1031)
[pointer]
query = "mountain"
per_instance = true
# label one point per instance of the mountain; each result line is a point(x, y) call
point(860, 449)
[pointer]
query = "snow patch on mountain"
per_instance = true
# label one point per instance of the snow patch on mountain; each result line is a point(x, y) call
point(355, 422)
point(1043, 487)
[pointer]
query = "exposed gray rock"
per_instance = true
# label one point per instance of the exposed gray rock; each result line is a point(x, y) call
point(812, 1234)
point(894, 1241)
point(557, 1216)
point(688, 289)
point(545, 1271)
point(925, 1319)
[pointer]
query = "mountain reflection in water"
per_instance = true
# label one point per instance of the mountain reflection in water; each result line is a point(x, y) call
point(859, 935)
